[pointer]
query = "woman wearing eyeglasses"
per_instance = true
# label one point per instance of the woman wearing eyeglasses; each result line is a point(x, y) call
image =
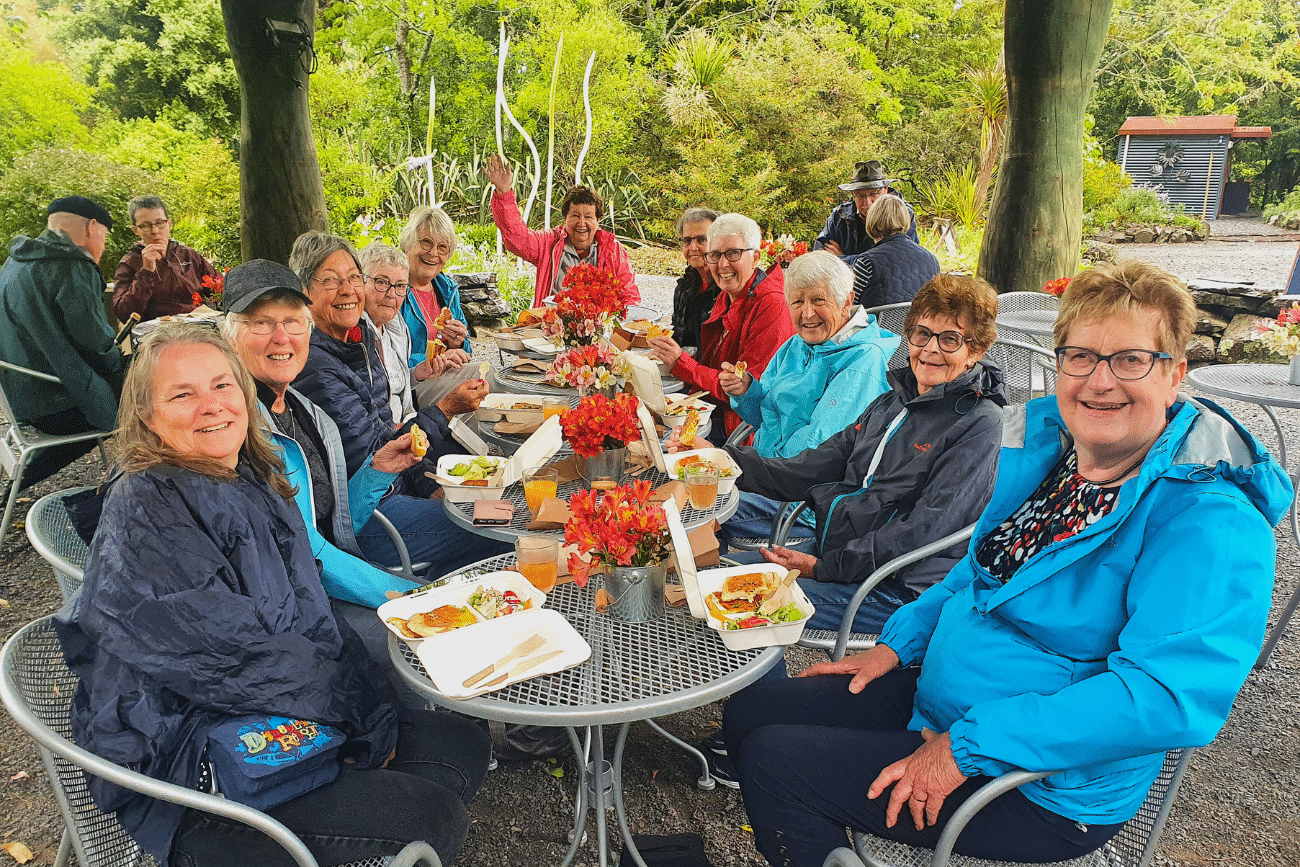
point(695, 292)
point(1109, 608)
point(917, 465)
point(429, 239)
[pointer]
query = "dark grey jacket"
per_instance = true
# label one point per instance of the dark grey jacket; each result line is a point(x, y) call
point(934, 476)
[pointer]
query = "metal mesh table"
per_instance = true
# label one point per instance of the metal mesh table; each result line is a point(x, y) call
point(508, 380)
point(462, 514)
point(508, 444)
point(1267, 386)
point(637, 671)
point(1036, 324)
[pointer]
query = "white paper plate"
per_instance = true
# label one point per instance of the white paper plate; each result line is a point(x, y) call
point(452, 657)
point(716, 456)
point(407, 606)
point(541, 346)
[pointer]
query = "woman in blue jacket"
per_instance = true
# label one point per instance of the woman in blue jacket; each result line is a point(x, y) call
point(1073, 637)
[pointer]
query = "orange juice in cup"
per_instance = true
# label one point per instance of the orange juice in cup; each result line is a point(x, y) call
point(538, 558)
point(702, 485)
point(539, 484)
point(553, 406)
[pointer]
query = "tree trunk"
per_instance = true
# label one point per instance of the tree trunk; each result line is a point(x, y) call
point(1035, 222)
point(280, 190)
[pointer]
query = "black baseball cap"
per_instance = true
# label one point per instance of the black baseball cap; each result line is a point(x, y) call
point(82, 207)
point(246, 283)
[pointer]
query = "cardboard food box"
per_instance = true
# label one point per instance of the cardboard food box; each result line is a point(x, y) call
point(536, 451)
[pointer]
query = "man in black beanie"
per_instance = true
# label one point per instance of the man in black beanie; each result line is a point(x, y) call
point(52, 321)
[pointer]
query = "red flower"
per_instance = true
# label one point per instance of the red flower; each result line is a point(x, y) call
point(598, 423)
point(1056, 287)
point(622, 528)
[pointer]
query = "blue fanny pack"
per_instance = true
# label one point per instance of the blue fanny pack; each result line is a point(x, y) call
point(264, 761)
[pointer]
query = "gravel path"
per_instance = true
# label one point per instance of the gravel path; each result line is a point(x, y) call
point(1240, 804)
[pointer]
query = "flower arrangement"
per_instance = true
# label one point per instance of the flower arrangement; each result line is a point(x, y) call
point(1282, 335)
point(783, 250)
point(622, 528)
point(598, 423)
point(595, 366)
point(1056, 287)
point(214, 287)
point(588, 298)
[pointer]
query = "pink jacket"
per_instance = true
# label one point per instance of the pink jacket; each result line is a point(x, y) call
point(544, 249)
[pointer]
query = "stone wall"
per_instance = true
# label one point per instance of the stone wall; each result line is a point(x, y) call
point(1228, 311)
point(1154, 234)
point(480, 299)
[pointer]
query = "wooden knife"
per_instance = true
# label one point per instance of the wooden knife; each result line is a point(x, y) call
point(525, 647)
point(524, 666)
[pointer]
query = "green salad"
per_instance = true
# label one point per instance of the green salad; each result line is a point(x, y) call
point(785, 614)
point(479, 468)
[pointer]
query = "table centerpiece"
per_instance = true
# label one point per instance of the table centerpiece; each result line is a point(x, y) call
point(1282, 335)
point(599, 429)
point(589, 300)
point(626, 536)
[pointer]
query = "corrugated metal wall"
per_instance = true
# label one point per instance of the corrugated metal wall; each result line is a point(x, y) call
point(1137, 154)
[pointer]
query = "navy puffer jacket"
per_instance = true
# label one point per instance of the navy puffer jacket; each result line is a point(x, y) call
point(892, 271)
point(348, 381)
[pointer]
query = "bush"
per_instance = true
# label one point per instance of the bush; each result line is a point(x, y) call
point(42, 176)
point(1290, 204)
point(1103, 181)
point(1138, 206)
point(39, 104)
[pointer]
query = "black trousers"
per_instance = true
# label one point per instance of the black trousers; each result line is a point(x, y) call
point(441, 761)
point(807, 750)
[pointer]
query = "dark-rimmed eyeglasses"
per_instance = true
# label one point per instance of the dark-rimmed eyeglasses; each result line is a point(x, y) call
point(383, 284)
point(733, 255)
point(1126, 364)
point(693, 239)
point(265, 327)
point(427, 245)
point(156, 225)
point(333, 283)
point(949, 341)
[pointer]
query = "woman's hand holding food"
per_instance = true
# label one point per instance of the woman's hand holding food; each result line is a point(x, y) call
point(923, 781)
point(454, 333)
point(395, 455)
point(497, 171)
point(797, 560)
point(430, 368)
point(731, 383)
point(865, 666)
point(665, 349)
point(464, 398)
point(455, 359)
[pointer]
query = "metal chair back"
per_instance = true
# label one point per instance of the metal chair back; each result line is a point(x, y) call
point(1017, 302)
point(1028, 370)
point(891, 318)
point(50, 531)
point(36, 687)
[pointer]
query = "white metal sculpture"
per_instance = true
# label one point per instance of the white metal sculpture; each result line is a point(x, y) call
point(586, 104)
point(550, 124)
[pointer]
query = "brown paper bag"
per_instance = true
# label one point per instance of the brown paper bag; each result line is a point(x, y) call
point(516, 429)
point(621, 339)
point(674, 595)
point(567, 468)
point(553, 515)
point(674, 489)
point(529, 366)
point(704, 544)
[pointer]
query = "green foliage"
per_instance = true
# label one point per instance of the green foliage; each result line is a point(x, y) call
point(40, 103)
point(1103, 181)
point(952, 196)
point(1138, 206)
point(44, 175)
point(723, 173)
point(1289, 206)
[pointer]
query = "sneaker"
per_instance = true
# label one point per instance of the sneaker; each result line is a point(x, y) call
point(722, 770)
point(714, 744)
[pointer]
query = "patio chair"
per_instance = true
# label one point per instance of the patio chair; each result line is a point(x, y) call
point(1133, 846)
point(891, 318)
point(1028, 370)
point(36, 690)
point(1020, 302)
point(753, 543)
point(50, 531)
point(21, 442)
point(838, 643)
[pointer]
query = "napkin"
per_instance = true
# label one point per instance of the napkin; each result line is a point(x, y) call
point(527, 365)
point(552, 515)
point(516, 428)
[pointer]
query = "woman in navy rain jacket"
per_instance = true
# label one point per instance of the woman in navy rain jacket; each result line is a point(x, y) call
point(1073, 637)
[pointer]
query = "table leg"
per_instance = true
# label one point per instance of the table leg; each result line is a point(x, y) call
point(619, 743)
point(599, 800)
point(705, 783)
point(580, 811)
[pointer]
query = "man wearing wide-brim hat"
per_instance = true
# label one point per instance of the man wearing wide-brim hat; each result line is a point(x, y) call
point(845, 234)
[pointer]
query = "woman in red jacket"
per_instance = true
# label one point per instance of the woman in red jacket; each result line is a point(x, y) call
point(748, 323)
point(578, 239)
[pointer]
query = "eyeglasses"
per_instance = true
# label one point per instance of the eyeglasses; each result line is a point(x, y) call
point(428, 246)
point(266, 327)
point(1127, 364)
point(383, 284)
point(949, 341)
point(156, 225)
point(693, 239)
point(356, 281)
point(732, 255)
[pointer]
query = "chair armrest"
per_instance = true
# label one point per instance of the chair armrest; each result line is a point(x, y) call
point(5, 365)
point(843, 857)
point(846, 624)
point(740, 434)
point(417, 853)
point(784, 522)
point(407, 572)
point(975, 803)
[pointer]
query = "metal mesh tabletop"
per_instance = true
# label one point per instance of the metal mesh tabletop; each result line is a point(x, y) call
point(1039, 323)
point(510, 380)
point(508, 444)
point(636, 670)
point(1264, 384)
point(463, 513)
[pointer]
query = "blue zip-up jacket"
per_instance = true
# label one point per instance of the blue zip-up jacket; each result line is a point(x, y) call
point(845, 227)
point(344, 572)
point(1113, 646)
point(448, 294)
point(809, 393)
point(938, 461)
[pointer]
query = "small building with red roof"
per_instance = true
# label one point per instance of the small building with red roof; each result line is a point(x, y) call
point(1189, 159)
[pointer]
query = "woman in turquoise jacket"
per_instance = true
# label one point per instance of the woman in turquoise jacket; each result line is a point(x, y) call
point(1113, 598)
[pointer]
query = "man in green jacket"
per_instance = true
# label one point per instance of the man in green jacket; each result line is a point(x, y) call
point(52, 321)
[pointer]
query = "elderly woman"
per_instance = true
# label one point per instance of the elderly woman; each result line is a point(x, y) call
point(1072, 637)
point(748, 322)
point(344, 376)
point(202, 605)
point(917, 465)
point(894, 269)
point(428, 239)
point(695, 292)
point(579, 238)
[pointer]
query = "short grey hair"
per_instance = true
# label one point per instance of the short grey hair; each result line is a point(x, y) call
point(230, 323)
point(144, 203)
point(312, 249)
point(737, 224)
point(432, 220)
point(695, 215)
point(377, 254)
point(819, 268)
